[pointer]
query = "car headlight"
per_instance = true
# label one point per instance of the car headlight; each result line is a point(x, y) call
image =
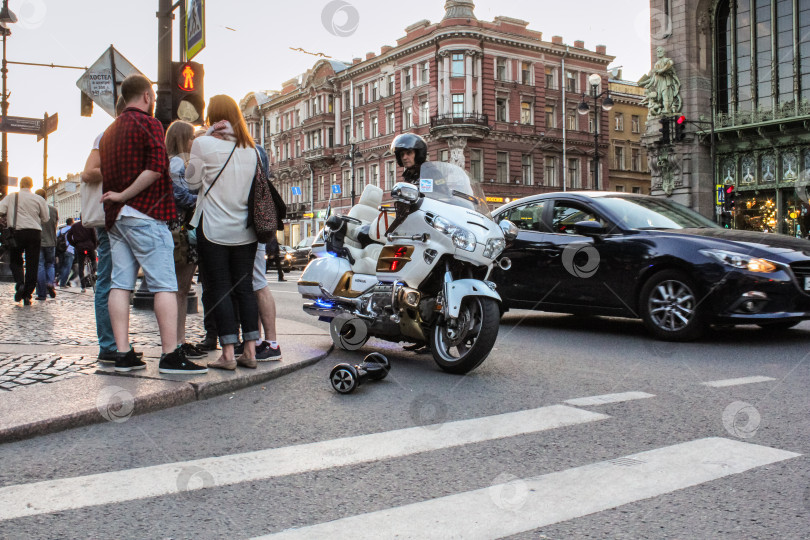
point(741, 261)
point(288, 256)
point(494, 247)
point(462, 238)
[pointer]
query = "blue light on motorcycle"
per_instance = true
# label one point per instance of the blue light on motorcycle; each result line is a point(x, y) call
point(324, 304)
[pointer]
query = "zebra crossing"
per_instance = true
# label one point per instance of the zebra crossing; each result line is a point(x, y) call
point(509, 506)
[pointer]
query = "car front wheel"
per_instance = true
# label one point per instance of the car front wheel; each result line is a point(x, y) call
point(671, 308)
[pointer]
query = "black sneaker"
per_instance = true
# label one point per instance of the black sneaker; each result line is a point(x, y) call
point(239, 348)
point(208, 344)
point(266, 353)
point(128, 362)
point(176, 362)
point(110, 356)
point(190, 351)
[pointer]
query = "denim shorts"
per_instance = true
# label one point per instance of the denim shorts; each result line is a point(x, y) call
point(144, 243)
point(259, 269)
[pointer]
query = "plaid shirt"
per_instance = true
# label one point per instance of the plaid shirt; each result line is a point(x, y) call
point(133, 144)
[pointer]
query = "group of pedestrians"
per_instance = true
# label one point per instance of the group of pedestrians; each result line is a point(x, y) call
point(161, 194)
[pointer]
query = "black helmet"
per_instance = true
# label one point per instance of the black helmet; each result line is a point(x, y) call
point(410, 141)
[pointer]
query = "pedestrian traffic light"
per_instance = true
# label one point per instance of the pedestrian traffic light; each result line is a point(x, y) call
point(187, 92)
point(664, 129)
point(680, 128)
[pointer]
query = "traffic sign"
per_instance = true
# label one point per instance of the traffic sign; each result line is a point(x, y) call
point(49, 125)
point(102, 81)
point(296, 190)
point(336, 189)
point(195, 28)
point(721, 194)
point(18, 124)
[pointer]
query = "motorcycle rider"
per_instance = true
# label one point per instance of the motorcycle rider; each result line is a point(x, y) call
point(411, 151)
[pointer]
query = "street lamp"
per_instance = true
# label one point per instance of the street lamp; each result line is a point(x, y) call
point(583, 108)
point(6, 17)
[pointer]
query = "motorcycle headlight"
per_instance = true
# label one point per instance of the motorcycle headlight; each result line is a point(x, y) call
point(741, 261)
point(494, 247)
point(462, 238)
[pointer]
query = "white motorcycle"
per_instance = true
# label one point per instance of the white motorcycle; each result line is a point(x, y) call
point(415, 272)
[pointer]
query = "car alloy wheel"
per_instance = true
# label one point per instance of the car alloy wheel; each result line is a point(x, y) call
point(670, 307)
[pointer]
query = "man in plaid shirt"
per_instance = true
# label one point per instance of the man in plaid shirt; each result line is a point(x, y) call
point(138, 201)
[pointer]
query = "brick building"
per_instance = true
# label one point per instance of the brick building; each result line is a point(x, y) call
point(493, 97)
point(628, 119)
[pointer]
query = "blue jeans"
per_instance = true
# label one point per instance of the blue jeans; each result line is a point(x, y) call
point(45, 272)
point(106, 339)
point(65, 267)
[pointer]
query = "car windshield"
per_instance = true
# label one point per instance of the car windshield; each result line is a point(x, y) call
point(450, 184)
point(653, 213)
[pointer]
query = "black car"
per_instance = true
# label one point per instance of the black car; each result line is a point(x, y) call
point(301, 252)
point(628, 255)
point(286, 255)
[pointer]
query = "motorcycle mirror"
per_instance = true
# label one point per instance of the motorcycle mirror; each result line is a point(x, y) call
point(510, 230)
point(405, 192)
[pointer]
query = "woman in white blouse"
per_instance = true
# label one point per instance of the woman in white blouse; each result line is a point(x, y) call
point(222, 166)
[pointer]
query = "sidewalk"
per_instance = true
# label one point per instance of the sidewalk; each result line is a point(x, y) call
point(50, 380)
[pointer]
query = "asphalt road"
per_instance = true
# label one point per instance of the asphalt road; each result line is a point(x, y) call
point(675, 458)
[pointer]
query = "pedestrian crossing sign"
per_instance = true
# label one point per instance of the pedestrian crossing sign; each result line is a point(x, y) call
point(336, 189)
point(195, 28)
point(296, 190)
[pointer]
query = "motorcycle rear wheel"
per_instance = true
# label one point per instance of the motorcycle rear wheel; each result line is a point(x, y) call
point(462, 349)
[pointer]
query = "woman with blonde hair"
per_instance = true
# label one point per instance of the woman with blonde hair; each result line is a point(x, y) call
point(179, 137)
point(222, 166)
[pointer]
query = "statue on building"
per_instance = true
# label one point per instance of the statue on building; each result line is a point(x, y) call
point(662, 87)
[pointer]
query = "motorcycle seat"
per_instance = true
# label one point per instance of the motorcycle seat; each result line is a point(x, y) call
point(365, 259)
point(366, 211)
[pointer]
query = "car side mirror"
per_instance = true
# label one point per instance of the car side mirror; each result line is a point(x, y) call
point(510, 230)
point(589, 228)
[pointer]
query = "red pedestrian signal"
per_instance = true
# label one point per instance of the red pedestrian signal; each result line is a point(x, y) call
point(187, 75)
point(188, 101)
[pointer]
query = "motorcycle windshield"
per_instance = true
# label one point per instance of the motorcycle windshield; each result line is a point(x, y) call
point(450, 184)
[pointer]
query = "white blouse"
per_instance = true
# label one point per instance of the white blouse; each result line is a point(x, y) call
point(225, 207)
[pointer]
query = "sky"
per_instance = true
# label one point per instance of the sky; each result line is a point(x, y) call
point(248, 48)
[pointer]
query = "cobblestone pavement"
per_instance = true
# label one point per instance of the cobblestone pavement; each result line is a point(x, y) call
point(64, 322)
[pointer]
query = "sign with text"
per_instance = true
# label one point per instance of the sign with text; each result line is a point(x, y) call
point(49, 124)
point(102, 81)
point(195, 28)
point(18, 124)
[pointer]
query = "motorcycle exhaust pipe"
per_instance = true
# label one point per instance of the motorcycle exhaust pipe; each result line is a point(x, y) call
point(504, 263)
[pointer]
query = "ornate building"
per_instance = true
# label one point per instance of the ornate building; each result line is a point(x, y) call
point(493, 97)
point(65, 196)
point(743, 84)
point(628, 119)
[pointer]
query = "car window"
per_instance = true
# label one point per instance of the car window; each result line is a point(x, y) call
point(566, 214)
point(528, 217)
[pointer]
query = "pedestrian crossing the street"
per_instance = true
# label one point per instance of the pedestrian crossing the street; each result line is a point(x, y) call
point(510, 506)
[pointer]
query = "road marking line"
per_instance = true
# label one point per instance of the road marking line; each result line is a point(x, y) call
point(172, 478)
point(734, 382)
point(523, 505)
point(608, 398)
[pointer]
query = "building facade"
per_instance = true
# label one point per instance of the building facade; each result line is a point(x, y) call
point(628, 157)
point(744, 88)
point(65, 196)
point(492, 97)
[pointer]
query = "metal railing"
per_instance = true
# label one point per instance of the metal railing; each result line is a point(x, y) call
point(465, 118)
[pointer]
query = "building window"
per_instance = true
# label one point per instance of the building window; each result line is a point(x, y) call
point(528, 169)
point(476, 165)
point(500, 69)
point(346, 100)
point(408, 118)
point(425, 75)
point(374, 128)
point(502, 167)
point(573, 173)
point(551, 121)
point(635, 123)
point(636, 189)
point(571, 81)
point(391, 85)
point(525, 73)
point(550, 176)
point(572, 120)
point(375, 90)
point(406, 78)
point(374, 175)
point(360, 95)
point(458, 105)
point(618, 161)
point(390, 175)
point(424, 112)
point(360, 177)
point(457, 65)
point(635, 159)
point(392, 126)
point(361, 130)
point(444, 155)
point(618, 119)
point(551, 79)
point(347, 183)
point(347, 134)
point(620, 189)
point(591, 123)
point(500, 110)
point(525, 112)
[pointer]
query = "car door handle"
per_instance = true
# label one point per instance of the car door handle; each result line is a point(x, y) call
point(550, 252)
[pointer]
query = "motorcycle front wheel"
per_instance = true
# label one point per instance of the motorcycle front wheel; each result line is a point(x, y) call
point(461, 345)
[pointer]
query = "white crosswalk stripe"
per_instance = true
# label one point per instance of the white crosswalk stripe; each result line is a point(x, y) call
point(608, 398)
point(160, 480)
point(527, 504)
point(734, 382)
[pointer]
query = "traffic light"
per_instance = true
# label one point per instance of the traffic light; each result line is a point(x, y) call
point(87, 105)
point(680, 128)
point(664, 129)
point(728, 207)
point(187, 92)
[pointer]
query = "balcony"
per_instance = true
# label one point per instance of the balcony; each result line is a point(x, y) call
point(319, 154)
point(471, 125)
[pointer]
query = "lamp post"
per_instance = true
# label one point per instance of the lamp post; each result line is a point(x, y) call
point(6, 17)
point(583, 108)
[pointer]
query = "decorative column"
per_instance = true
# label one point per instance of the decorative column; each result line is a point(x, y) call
point(468, 62)
point(445, 108)
point(480, 91)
